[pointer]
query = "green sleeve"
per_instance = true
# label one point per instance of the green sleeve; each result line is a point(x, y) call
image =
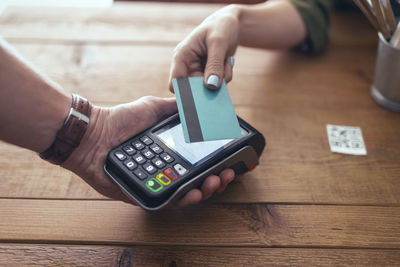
point(315, 14)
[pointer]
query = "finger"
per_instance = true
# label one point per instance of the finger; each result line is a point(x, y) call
point(131, 118)
point(164, 107)
point(229, 62)
point(186, 61)
point(227, 176)
point(214, 70)
point(159, 108)
point(209, 186)
point(178, 69)
point(239, 178)
point(192, 197)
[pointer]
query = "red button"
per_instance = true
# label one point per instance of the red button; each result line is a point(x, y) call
point(252, 167)
point(171, 174)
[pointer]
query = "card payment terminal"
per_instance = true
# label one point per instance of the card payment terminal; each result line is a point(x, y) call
point(157, 166)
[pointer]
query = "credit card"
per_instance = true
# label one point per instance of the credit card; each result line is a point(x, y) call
point(205, 114)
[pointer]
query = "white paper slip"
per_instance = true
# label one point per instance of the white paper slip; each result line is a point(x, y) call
point(346, 140)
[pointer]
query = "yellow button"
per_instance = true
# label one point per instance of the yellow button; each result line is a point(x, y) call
point(163, 179)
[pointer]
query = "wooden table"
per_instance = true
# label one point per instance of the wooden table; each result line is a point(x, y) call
point(302, 206)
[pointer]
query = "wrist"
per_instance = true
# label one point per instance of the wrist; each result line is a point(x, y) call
point(70, 134)
point(86, 154)
point(240, 12)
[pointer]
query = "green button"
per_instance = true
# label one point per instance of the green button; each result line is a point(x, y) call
point(153, 185)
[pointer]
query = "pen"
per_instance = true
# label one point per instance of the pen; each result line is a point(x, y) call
point(388, 13)
point(365, 8)
point(395, 40)
point(383, 27)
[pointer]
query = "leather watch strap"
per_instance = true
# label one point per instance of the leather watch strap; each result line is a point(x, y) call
point(70, 134)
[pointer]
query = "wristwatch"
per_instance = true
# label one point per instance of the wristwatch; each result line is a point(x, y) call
point(69, 136)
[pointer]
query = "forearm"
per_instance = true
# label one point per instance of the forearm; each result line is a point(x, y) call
point(32, 108)
point(270, 25)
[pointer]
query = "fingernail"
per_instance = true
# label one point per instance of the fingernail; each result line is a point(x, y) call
point(232, 60)
point(213, 81)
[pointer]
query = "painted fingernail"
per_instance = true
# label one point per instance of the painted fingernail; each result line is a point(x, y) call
point(232, 60)
point(213, 81)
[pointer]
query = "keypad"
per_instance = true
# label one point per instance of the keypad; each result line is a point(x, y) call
point(147, 162)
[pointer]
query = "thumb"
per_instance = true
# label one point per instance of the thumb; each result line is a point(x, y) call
point(163, 107)
point(214, 70)
point(131, 118)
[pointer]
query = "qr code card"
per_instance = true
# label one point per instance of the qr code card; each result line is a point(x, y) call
point(346, 140)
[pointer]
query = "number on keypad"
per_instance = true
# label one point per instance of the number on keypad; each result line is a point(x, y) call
point(145, 139)
point(148, 154)
point(138, 145)
point(139, 159)
point(130, 164)
point(158, 162)
point(129, 150)
point(166, 157)
point(149, 168)
point(156, 148)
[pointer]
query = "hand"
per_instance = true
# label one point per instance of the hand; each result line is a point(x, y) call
point(109, 127)
point(207, 51)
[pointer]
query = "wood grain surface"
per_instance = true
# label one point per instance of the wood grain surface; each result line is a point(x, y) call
point(254, 225)
point(168, 256)
point(302, 206)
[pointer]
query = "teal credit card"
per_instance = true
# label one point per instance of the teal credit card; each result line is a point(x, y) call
point(205, 114)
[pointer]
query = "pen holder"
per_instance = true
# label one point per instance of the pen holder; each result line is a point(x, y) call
point(385, 89)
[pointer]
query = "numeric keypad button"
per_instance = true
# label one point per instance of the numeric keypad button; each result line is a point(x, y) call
point(139, 159)
point(130, 164)
point(180, 169)
point(138, 145)
point(119, 155)
point(166, 157)
point(129, 150)
point(156, 148)
point(146, 140)
point(139, 173)
point(158, 162)
point(148, 154)
point(150, 168)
